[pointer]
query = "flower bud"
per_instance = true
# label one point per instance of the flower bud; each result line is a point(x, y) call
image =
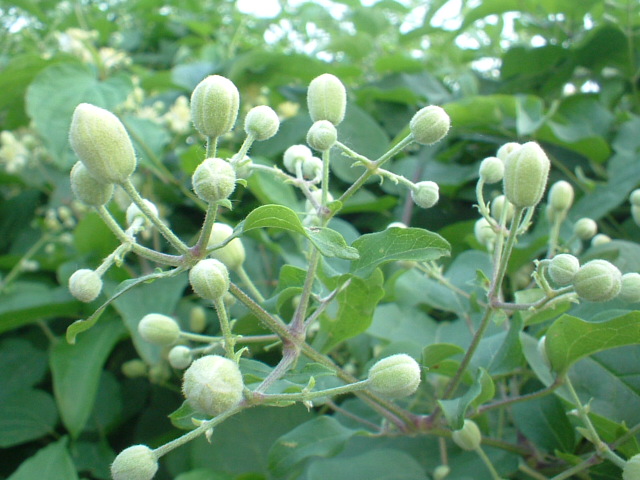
point(563, 268)
point(396, 376)
point(441, 472)
point(322, 135)
point(135, 368)
point(631, 469)
point(133, 212)
point(135, 463)
point(504, 151)
point(525, 175)
point(213, 384)
point(295, 154)
point(425, 194)
point(261, 122)
point(484, 233)
point(634, 197)
point(585, 228)
point(491, 170)
point(209, 279)
point(85, 285)
point(87, 189)
point(600, 239)
point(561, 196)
point(180, 357)
point(312, 168)
point(635, 214)
point(214, 180)
point(197, 319)
point(159, 329)
point(232, 254)
point(214, 106)
point(468, 437)
point(498, 204)
point(597, 281)
point(429, 125)
point(243, 167)
point(630, 291)
point(327, 99)
point(102, 144)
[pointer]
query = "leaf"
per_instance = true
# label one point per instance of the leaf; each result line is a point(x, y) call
point(455, 410)
point(27, 414)
point(52, 462)
point(437, 352)
point(323, 436)
point(330, 243)
point(23, 366)
point(273, 216)
point(76, 373)
point(393, 244)
point(569, 338)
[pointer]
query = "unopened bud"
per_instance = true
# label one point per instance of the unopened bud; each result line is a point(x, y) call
point(232, 254)
point(600, 239)
point(135, 368)
point(133, 212)
point(85, 285)
point(635, 214)
point(262, 122)
point(468, 437)
point(630, 291)
point(525, 175)
point(498, 204)
point(87, 189)
point(295, 154)
point(597, 281)
point(425, 194)
point(180, 357)
point(441, 472)
point(396, 376)
point(214, 106)
point(429, 125)
point(209, 279)
point(312, 168)
point(159, 329)
point(327, 99)
point(631, 469)
point(322, 135)
point(484, 233)
point(634, 197)
point(504, 151)
point(562, 268)
point(135, 463)
point(491, 170)
point(214, 180)
point(101, 142)
point(585, 228)
point(561, 196)
point(197, 319)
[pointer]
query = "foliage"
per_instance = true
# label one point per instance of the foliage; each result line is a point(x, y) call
point(549, 378)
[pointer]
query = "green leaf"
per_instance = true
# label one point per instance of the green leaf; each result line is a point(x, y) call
point(26, 415)
point(437, 352)
point(393, 244)
point(273, 216)
point(23, 366)
point(569, 338)
point(330, 243)
point(203, 474)
point(52, 462)
point(76, 373)
point(378, 464)
point(455, 410)
point(323, 436)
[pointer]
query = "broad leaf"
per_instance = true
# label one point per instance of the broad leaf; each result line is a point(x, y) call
point(52, 462)
point(26, 415)
point(273, 216)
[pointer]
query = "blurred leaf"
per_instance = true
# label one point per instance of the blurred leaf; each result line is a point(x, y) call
point(203, 474)
point(27, 414)
point(23, 366)
point(15, 215)
point(53, 460)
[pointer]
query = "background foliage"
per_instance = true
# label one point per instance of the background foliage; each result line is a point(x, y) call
point(561, 72)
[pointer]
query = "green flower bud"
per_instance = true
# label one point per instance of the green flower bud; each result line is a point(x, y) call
point(102, 144)
point(295, 154)
point(159, 329)
point(85, 285)
point(312, 168)
point(214, 180)
point(491, 170)
point(597, 281)
point(209, 279)
point(322, 135)
point(634, 197)
point(429, 125)
point(87, 189)
point(425, 194)
point(600, 239)
point(180, 357)
point(243, 167)
point(585, 228)
point(635, 214)
point(631, 469)
point(561, 196)
point(525, 175)
point(500, 203)
point(484, 233)
point(327, 99)
point(232, 254)
point(133, 212)
point(135, 463)
point(135, 368)
point(468, 437)
point(214, 106)
point(630, 291)
point(213, 384)
point(261, 122)
point(441, 472)
point(563, 268)
point(396, 376)
point(197, 319)
point(504, 151)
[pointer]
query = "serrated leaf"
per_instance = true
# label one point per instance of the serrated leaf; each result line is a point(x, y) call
point(394, 244)
point(26, 415)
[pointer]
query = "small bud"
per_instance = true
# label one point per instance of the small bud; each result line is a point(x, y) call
point(85, 285)
point(525, 175)
point(441, 472)
point(600, 239)
point(214, 180)
point(634, 197)
point(197, 319)
point(102, 144)
point(491, 170)
point(262, 122)
point(243, 167)
point(135, 368)
point(295, 154)
point(630, 291)
point(597, 281)
point(322, 135)
point(135, 463)
point(396, 376)
point(468, 437)
point(312, 168)
point(159, 329)
point(232, 254)
point(500, 203)
point(563, 268)
point(180, 357)
point(631, 469)
point(429, 125)
point(635, 214)
point(327, 99)
point(561, 196)
point(585, 228)
point(214, 106)
point(213, 384)
point(133, 212)
point(87, 189)
point(425, 194)
point(484, 233)
point(209, 279)
point(504, 151)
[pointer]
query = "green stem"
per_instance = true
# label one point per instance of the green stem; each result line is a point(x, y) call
point(225, 327)
point(501, 268)
point(306, 396)
point(487, 461)
point(17, 268)
point(523, 398)
point(297, 324)
point(212, 147)
point(200, 248)
point(523, 467)
point(326, 157)
point(246, 280)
